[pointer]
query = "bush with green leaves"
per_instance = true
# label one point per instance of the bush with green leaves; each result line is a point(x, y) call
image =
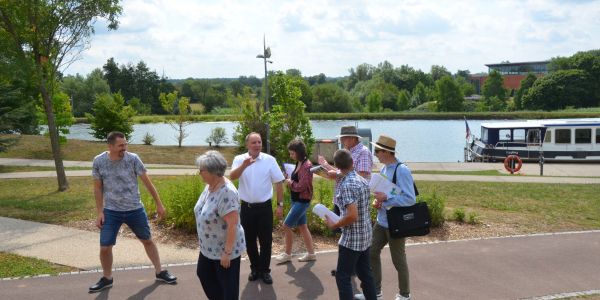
point(437, 206)
point(458, 214)
point(148, 139)
point(110, 114)
point(217, 136)
point(179, 196)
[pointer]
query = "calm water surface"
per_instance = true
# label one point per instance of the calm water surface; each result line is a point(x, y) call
point(418, 140)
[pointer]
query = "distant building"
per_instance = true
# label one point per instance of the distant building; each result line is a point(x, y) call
point(512, 73)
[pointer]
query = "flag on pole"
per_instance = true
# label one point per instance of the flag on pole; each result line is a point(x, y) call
point(468, 133)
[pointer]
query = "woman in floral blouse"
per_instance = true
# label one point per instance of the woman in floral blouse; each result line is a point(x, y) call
point(301, 191)
point(220, 233)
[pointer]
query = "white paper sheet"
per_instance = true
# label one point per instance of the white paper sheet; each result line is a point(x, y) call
point(289, 169)
point(321, 211)
point(379, 183)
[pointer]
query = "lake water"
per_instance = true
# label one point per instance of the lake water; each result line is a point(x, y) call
point(418, 140)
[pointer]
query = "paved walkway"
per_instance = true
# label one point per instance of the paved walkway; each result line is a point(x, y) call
point(497, 268)
point(555, 173)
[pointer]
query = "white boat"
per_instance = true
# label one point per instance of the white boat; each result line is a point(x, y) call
point(553, 139)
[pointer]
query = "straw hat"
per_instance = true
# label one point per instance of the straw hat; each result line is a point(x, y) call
point(348, 130)
point(386, 143)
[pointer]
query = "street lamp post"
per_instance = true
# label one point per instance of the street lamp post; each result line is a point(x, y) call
point(266, 54)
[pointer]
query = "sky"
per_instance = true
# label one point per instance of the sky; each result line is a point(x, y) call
point(220, 39)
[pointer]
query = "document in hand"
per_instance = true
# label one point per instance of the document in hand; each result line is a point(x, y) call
point(319, 170)
point(289, 169)
point(379, 183)
point(321, 211)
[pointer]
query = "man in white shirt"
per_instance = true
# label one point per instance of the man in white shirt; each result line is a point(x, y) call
point(257, 172)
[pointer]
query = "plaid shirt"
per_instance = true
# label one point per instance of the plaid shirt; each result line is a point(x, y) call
point(354, 189)
point(363, 160)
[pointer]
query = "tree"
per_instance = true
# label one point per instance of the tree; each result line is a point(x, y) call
point(561, 89)
point(286, 118)
point(448, 95)
point(110, 114)
point(374, 101)
point(217, 136)
point(526, 84)
point(403, 100)
point(180, 107)
point(83, 92)
point(437, 72)
point(330, 98)
point(61, 105)
point(15, 115)
point(50, 35)
point(494, 86)
point(418, 95)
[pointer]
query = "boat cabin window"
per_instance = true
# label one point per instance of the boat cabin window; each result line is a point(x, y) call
point(519, 135)
point(533, 136)
point(597, 135)
point(548, 136)
point(583, 136)
point(505, 135)
point(563, 136)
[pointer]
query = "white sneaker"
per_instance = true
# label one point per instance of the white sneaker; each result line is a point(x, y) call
point(400, 297)
point(362, 296)
point(308, 257)
point(283, 258)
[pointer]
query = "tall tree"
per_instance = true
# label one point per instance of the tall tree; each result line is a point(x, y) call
point(448, 95)
point(526, 84)
point(494, 86)
point(52, 34)
point(437, 72)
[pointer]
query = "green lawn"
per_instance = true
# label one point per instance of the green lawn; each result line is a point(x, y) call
point(12, 265)
point(535, 207)
point(38, 147)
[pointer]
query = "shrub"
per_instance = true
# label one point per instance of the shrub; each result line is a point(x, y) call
point(458, 214)
point(437, 205)
point(148, 139)
point(179, 196)
point(217, 137)
point(473, 218)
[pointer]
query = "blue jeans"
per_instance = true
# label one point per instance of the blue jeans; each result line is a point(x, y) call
point(136, 219)
point(297, 214)
point(348, 261)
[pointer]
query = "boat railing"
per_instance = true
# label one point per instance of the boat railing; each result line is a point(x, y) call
point(516, 144)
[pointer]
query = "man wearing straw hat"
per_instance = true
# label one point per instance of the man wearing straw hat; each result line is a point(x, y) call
point(399, 174)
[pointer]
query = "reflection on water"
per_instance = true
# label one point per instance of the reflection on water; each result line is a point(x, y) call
point(417, 140)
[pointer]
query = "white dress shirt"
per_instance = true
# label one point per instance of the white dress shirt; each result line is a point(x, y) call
point(256, 182)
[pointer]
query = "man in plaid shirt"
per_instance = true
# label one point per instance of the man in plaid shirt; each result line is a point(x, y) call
point(352, 197)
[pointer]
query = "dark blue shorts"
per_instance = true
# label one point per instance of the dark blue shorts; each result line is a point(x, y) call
point(136, 219)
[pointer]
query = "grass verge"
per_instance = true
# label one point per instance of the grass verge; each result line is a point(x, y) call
point(38, 147)
point(13, 265)
point(533, 207)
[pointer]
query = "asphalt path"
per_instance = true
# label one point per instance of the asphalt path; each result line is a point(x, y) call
point(518, 267)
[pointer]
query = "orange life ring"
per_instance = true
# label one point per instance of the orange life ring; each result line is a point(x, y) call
point(508, 163)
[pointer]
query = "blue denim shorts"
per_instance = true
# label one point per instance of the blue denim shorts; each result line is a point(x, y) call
point(297, 214)
point(136, 219)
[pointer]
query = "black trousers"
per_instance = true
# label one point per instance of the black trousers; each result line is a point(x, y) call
point(217, 282)
point(257, 220)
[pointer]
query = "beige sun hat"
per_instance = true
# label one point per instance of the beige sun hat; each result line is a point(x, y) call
point(348, 130)
point(386, 143)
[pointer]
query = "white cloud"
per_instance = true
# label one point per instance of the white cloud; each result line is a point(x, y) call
point(190, 38)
